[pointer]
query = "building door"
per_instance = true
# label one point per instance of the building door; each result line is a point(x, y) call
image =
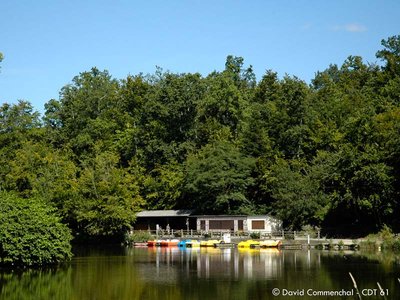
point(240, 225)
point(202, 225)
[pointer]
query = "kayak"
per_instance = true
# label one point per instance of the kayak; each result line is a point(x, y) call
point(183, 243)
point(192, 244)
point(151, 243)
point(169, 243)
point(249, 244)
point(270, 243)
point(210, 243)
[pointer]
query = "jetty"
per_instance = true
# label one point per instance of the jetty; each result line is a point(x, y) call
point(288, 240)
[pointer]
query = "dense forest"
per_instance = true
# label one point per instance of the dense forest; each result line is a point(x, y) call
point(324, 154)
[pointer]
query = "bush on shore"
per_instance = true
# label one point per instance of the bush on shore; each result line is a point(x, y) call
point(31, 234)
point(384, 239)
point(138, 237)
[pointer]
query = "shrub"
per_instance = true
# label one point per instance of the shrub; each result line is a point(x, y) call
point(177, 234)
point(255, 235)
point(30, 233)
point(384, 239)
point(396, 245)
point(138, 236)
point(369, 245)
point(311, 230)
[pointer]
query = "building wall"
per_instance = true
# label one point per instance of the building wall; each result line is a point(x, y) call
point(211, 223)
point(238, 223)
point(150, 223)
point(216, 223)
point(263, 224)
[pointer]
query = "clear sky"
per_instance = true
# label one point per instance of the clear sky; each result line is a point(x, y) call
point(47, 42)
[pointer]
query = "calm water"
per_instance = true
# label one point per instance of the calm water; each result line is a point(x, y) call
point(172, 273)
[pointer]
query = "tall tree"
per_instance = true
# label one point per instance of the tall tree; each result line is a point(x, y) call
point(298, 198)
point(391, 55)
point(108, 197)
point(217, 179)
point(88, 112)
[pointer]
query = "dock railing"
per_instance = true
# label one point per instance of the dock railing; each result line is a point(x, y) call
point(218, 234)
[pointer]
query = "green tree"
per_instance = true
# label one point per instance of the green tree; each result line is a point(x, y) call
point(88, 113)
point(19, 123)
point(108, 197)
point(297, 196)
point(283, 105)
point(18, 118)
point(217, 179)
point(167, 118)
point(129, 138)
point(391, 54)
point(243, 78)
point(37, 170)
point(220, 110)
point(163, 187)
point(360, 188)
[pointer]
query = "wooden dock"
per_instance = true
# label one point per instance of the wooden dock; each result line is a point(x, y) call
point(291, 240)
point(322, 244)
point(226, 245)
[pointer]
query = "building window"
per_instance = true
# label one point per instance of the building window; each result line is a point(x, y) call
point(221, 224)
point(258, 224)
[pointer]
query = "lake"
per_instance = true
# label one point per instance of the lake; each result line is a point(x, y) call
point(173, 273)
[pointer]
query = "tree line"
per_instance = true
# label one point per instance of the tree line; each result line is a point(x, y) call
point(324, 154)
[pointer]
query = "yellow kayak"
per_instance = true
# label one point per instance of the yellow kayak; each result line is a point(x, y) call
point(192, 244)
point(210, 243)
point(270, 243)
point(249, 244)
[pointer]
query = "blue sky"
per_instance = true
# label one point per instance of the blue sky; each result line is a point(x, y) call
point(46, 43)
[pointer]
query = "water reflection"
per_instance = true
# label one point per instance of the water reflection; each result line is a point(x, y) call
point(231, 263)
point(210, 263)
point(202, 273)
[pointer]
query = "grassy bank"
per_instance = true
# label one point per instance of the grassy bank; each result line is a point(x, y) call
point(383, 240)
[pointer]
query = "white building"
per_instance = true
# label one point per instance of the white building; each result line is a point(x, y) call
point(262, 223)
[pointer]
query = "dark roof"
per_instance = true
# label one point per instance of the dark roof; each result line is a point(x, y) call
point(164, 213)
point(220, 216)
point(231, 216)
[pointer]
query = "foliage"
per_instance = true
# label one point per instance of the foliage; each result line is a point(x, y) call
point(31, 233)
point(255, 235)
point(39, 283)
point(222, 143)
point(217, 179)
point(387, 239)
point(108, 197)
point(138, 236)
point(163, 186)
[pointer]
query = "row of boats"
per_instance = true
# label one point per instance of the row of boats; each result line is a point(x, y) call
point(213, 243)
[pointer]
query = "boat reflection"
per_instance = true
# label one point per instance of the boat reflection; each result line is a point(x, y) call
point(220, 263)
